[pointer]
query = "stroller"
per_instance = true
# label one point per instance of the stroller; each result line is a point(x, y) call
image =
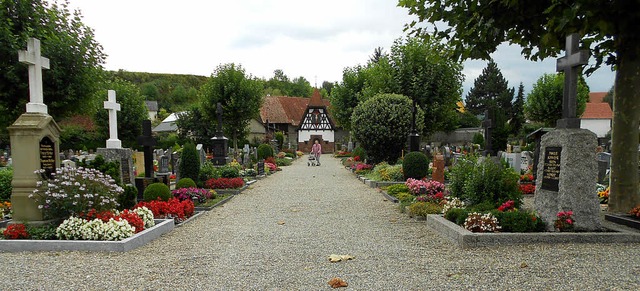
point(312, 160)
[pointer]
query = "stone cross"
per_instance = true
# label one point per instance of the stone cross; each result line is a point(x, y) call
point(113, 142)
point(36, 63)
point(570, 65)
point(487, 123)
point(219, 112)
point(147, 141)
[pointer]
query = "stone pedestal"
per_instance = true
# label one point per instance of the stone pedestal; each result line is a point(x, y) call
point(35, 139)
point(219, 146)
point(122, 156)
point(566, 178)
point(438, 169)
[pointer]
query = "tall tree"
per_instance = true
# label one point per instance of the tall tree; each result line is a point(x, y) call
point(300, 87)
point(195, 125)
point(517, 116)
point(377, 54)
point(240, 95)
point(490, 90)
point(346, 95)
point(76, 59)
point(476, 28)
point(327, 86)
point(544, 103)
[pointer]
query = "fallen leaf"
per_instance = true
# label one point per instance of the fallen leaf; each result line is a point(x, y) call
point(337, 283)
point(338, 258)
point(281, 222)
point(524, 265)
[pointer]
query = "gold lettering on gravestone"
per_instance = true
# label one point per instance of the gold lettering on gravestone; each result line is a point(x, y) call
point(551, 169)
point(47, 156)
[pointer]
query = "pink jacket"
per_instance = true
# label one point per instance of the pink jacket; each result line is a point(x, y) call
point(316, 149)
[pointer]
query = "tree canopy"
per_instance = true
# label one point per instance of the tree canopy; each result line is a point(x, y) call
point(544, 102)
point(490, 90)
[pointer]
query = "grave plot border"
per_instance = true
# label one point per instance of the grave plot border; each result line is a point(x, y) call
point(223, 201)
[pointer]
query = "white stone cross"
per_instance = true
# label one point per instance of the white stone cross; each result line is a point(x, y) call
point(113, 142)
point(36, 63)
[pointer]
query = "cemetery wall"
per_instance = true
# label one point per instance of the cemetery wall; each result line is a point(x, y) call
point(459, 136)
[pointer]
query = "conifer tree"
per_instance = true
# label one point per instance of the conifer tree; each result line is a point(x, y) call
point(517, 118)
point(490, 90)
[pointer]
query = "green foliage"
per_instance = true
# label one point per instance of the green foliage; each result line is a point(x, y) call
point(208, 171)
point(457, 215)
point(111, 168)
point(422, 209)
point(6, 175)
point(385, 172)
point(544, 102)
point(127, 199)
point(190, 126)
point(189, 162)
point(517, 115)
point(415, 165)
point(75, 56)
point(75, 136)
point(42, 232)
point(280, 138)
point(157, 191)
point(519, 221)
point(129, 118)
point(467, 119)
point(359, 152)
point(280, 85)
point(394, 190)
point(490, 91)
point(405, 197)
point(382, 123)
point(484, 182)
point(264, 151)
point(168, 140)
point(346, 96)
point(478, 138)
point(283, 162)
point(229, 172)
point(185, 183)
point(240, 96)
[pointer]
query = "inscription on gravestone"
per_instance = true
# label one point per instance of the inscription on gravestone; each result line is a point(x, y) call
point(124, 165)
point(47, 156)
point(551, 169)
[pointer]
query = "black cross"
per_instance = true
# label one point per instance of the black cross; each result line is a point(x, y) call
point(147, 141)
point(219, 112)
point(487, 123)
point(570, 65)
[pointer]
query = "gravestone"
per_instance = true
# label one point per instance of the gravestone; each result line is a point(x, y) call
point(604, 164)
point(163, 170)
point(261, 168)
point(438, 169)
point(414, 137)
point(487, 124)
point(526, 160)
point(219, 143)
point(147, 141)
point(114, 150)
point(35, 139)
point(350, 146)
point(567, 170)
point(68, 164)
point(201, 154)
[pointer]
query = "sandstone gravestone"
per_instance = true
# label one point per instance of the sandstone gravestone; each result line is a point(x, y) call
point(438, 169)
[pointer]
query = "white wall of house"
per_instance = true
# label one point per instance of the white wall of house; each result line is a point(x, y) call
point(598, 126)
point(327, 135)
point(153, 115)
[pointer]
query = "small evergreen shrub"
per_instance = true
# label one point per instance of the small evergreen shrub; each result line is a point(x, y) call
point(185, 183)
point(519, 221)
point(478, 139)
point(157, 191)
point(360, 153)
point(264, 151)
point(229, 172)
point(208, 171)
point(283, 162)
point(394, 190)
point(457, 215)
point(279, 136)
point(128, 198)
point(415, 165)
point(189, 162)
point(405, 197)
point(6, 175)
point(424, 208)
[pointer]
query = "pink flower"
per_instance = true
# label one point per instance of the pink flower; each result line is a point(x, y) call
point(569, 221)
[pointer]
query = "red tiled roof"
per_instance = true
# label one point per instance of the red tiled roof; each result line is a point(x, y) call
point(597, 111)
point(316, 99)
point(283, 109)
point(596, 97)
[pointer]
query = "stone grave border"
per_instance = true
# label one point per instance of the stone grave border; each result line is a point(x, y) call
point(465, 239)
point(223, 201)
point(194, 216)
point(19, 245)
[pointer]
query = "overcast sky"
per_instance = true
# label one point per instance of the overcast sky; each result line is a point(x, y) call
point(313, 39)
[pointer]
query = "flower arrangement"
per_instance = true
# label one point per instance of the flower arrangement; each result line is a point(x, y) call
point(174, 208)
point(478, 222)
point(527, 188)
point(424, 187)
point(526, 178)
point(172, 177)
point(299, 153)
point(564, 221)
point(5, 209)
point(134, 217)
point(272, 166)
point(270, 160)
point(194, 194)
point(356, 158)
point(341, 154)
point(248, 173)
point(635, 211)
point(281, 155)
point(16, 231)
point(361, 168)
point(76, 228)
point(507, 206)
point(74, 190)
point(452, 203)
point(224, 183)
point(235, 164)
point(146, 215)
point(437, 198)
point(603, 194)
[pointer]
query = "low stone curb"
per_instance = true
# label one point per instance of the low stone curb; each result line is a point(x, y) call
point(389, 197)
point(231, 191)
point(196, 214)
point(223, 201)
point(19, 245)
point(466, 239)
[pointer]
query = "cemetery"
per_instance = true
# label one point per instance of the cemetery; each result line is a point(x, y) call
point(221, 187)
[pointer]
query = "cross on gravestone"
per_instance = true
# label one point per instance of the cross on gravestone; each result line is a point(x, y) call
point(570, 65)
point(113, 142)
point(219, 113)
point(147, 141)
point(36, 63)
point(487, 124)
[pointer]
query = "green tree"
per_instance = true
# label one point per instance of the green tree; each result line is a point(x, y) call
point(490, 90)
point(300, 87)
point(517, 113)
point(240, 96)
point(195, 125)
point(475, 29)
point(328, 86)
point(133, 112)
point(76, 59)
point(544, 102)
point(377, 54)
point(609, 97)
point(346, 95)
point(189, 162)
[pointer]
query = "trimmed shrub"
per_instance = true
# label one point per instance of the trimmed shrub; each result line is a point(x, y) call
point(415, 165)
point(229, 172)
point(382, 124)
point(457, 215)
point(207, 171)
point(185, 183)
point(128, 198)
point(478, 139)
point(264, 151)
point(394, 190)
point(157, 191)
point(424, 208)
point(359, 152)
point(279, 136)
point(519, 221)
point(189, 162)
point(405, 197)
point(6, 175)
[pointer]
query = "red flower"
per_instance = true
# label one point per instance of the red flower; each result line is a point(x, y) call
point(356, 158)
point(174, 208)
point(133, 219)
point(224, 183)
point(16, 231)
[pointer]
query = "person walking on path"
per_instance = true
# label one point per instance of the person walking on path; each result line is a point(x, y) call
point(316, 150)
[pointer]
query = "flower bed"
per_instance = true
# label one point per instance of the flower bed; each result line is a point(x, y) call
point(172, 209)
point(225, 183)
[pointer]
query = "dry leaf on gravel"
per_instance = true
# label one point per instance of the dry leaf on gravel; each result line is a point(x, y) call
point(337, 283)
point(281, 222)
point(338, 258)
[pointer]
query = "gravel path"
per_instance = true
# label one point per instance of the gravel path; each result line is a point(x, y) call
point(325, 210)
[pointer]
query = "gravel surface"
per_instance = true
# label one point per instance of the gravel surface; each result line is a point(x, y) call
point(278, 235)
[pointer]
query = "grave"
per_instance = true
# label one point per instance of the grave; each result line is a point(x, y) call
point(201, 154)
point(414, 137)
point(438, 168)
point(35, 139)
point(604, 164)
point(114, 150)
point(163, 170)
point(487, 124)
point(567, 168)
point(219, 143)
point(147, 141)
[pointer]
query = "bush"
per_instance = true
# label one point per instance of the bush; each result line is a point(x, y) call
point(111, 168)
point(415, 165)
point(6, 175)
point(457, 215)
point(382, 124)
point(264, 151)
point(359, 152)
point(519, 221)
point(189, 162)
point(128, 198)
point(393, 190)
point(283, 162)
point(225, 183)
point(208, 171)
point(157, 191)
point(484, 182)
point(386, 172)
point(405, 197)
point(279, 136)
point(424, 208)
point(229, 172)
point(42, 232)
point(478, 139)
point(185, 183)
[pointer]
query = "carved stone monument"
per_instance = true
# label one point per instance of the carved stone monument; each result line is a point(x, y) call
point(219, 143)
point(148, 142)
point(114, 150)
